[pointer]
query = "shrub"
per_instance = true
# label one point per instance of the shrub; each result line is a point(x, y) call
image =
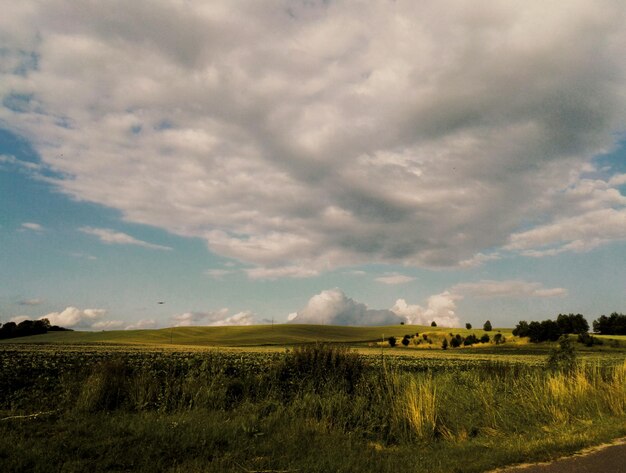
point(498, 338)
point(392, 341)
point(562, 357)
point(588, 340)
point(444, 344)
point(485, 338)
point(405, 341)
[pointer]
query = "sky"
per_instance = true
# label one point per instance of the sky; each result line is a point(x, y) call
point(182, 162)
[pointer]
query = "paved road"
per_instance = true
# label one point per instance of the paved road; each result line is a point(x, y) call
point(606, 459)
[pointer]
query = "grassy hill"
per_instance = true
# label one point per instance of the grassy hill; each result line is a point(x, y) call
point(252, 335)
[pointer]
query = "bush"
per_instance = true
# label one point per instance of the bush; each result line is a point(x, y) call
point(562, 357)
point(392, 341)
point(405, 340)
point(498, 338)
point(444, 344)
point(484, 338)
point(588, 340)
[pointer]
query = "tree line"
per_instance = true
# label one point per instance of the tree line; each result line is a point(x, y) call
point(28, 327)
point(551, 330)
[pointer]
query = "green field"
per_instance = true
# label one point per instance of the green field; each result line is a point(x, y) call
point(270, 398)
point(242, 336)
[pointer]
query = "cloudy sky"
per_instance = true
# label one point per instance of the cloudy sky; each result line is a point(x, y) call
point(311, 161)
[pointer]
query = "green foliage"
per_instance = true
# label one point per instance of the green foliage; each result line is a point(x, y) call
point(572, 323)
point(563, 357)
point(392, 341)
point(589, 340)
point(433, 324)
point(444, 344)
point(487, 326)
point(615, 324)
point(406, 340)
point(485, 338)
point(317, 366)
point(498, 338)
point(468, 326)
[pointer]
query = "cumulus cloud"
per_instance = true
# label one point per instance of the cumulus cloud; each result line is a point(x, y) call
point(394, 278)
point(299, 137)
point(219, 317)
point(492, 289)
point(72, 317)
point(440, 308)
point(112, 237)
point(333, 307)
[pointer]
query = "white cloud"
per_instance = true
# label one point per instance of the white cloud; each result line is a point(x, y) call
point(576, 233)
point(142, 324)
point(394, 278)
point(219, 317)
point(32, 226)
point(441, 308)
point(515, 288)
point(300, 137)
point(72, 317)
point(112, 237)
point(108, 325)
point(333, 307)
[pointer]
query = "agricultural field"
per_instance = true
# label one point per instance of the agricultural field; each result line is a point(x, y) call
point(200, 399)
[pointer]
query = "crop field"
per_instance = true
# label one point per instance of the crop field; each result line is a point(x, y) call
point(175, 400)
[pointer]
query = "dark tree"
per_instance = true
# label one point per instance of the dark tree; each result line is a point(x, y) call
point(484, 338)
point(405, 340)
point(615, 324)
point(392, 341)
point(521, 329)
point(498, 338)
point(444, 344)
point(468, 326)
point(433, 324)
point(487, 327)
point(571, 323)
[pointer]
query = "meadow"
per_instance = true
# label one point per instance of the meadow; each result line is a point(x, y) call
point(276, 399)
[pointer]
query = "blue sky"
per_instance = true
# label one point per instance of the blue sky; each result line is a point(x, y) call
point(311, 162)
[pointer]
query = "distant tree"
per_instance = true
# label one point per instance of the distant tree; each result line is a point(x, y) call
point(433, 324)
point(484, 338)
point(405, 340)
point(444, 344)
point(615, 324)
point(456, 342)
point(392, 341)
point(497, 338)
point(401, 323)
point(521, 329)
point(572, 323)
point(470, 340)
point(425, 336)
point(468, 326)
point(487, 326)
